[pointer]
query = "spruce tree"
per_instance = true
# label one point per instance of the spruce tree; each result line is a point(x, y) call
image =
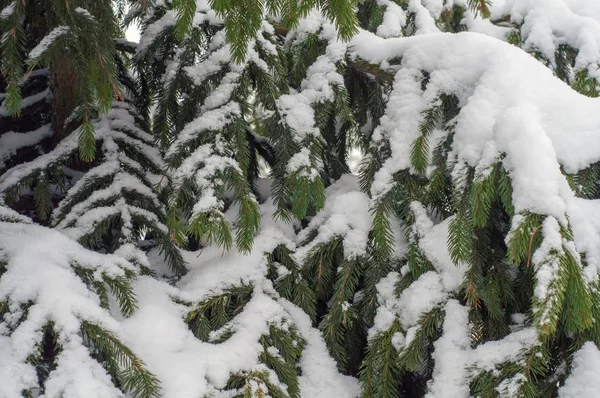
point(460, 261)
point(60, 73)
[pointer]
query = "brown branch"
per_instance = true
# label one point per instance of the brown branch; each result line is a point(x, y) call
point(531, 244)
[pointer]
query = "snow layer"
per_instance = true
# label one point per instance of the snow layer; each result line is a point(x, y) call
point(11, 142)
point(583, 381)
point(430, 290)
point(189, 367)
point(546, 24)
point(455, 360)
point(345, 214)
point(511, 105)
point(40, 270)
point(47, 41)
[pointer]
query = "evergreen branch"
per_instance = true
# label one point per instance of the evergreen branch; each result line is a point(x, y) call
point(292, 285)
point(380, 369)
point(481, 7)
point(215, 312)
point(414, 354)
point(134, 377)
point(420, 147)
point(12, 47)
point(123, 291)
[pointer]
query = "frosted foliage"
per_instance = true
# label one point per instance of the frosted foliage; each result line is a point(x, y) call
point(387, 310)
point(48, 41)
point(511, 106)
point(189, 367)
point(548, 270)
point(27, 101)
point(79, 214)
point(109, 129)
point(346, 214)
point(9, 215)
point(548, 23)
point(39, 269)
point(318, 87)
point(8, 10)
point(11, 142)
point(454, 356)
point(429, 291)
point(169, 19)
point(513, 111)
point(218, 109)
point(501, 90)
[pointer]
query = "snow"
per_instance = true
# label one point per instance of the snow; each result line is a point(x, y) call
point(317, 87)
point(434, 246)
point(152, 31)
point(430, 290)
point(423, 295)
point(299, 160)
point(583, 381)
point(510, 104)
point(387, 309)
point(78, 375)
point(450, 352)
point(17, 376)
point(11, 142)
point(84, 12)
point(39, 270)
point(215, 61)
point(345, 214)
point(322, 77)
point(215, 119)
point(47, 41)
point(121, 182)
point(8, 10)
point(548, 23)
point(27, 101)
point(586, 230)
point(394, 19)
point(547, 262)
point(513, 111)
point(455, 360)
point(189, 367)
point(424, 20)
point(211, 271)
point(492, 353)
point(109, 129)
point(9, 215)
point(320, 377)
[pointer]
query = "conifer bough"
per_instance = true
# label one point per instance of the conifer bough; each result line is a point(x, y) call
point(220, 238)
